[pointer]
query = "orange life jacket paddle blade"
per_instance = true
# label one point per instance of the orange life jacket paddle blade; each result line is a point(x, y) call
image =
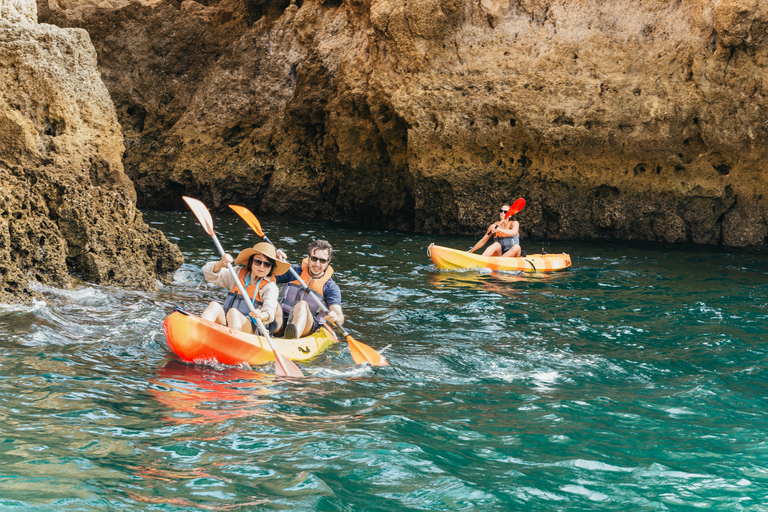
point(249, 218)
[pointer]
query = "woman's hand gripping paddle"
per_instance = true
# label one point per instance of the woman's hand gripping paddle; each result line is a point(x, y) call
point(283, 365)
point(361, 352)
point(515, 208)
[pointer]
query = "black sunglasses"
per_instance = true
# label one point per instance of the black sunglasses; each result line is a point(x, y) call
point(321, 260)
point(503, 211)
point(259, 263)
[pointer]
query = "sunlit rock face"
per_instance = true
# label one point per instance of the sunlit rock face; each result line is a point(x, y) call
point(66, 206)
point(630, 119)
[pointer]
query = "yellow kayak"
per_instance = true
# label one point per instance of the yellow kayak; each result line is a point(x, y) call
point(446, 258)
point(195, 340)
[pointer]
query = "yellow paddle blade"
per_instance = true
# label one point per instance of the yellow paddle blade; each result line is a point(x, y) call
point(202, 214)
point(362, 353)
point(249, 218)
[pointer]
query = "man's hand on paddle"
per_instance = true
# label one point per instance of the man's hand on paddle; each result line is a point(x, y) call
point(334, 316)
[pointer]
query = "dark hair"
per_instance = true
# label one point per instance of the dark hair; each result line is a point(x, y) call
point(271, 269)
point(323, 246)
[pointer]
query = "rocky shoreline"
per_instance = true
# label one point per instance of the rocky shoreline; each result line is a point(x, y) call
point(67, 209)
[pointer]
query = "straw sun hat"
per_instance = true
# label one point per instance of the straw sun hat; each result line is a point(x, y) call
point(268, 250)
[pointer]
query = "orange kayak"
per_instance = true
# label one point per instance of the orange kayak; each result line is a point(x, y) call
point(196, 340)
point(446, 258)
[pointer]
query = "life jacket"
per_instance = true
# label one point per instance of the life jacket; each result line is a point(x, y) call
point(293, 292)
point(503, 224)
point(237, 301)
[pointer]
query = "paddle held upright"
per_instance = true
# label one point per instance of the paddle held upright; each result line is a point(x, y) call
point(283, 365)
point(361, 352)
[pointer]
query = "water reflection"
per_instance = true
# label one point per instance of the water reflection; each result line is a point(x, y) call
point(204, 394)
point(503, 283)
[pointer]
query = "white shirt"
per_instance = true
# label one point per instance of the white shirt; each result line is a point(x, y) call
point(267, 294)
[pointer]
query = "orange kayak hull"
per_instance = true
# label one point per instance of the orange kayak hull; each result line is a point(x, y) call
point(452, 259)
point(195, 340)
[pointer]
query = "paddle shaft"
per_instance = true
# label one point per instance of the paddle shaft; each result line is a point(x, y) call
point(286, 367)
point(309, 292)
point(361, 352)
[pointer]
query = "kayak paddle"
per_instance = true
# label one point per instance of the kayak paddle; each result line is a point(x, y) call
point(515, 208)
point(283, 365)
point(359, 350)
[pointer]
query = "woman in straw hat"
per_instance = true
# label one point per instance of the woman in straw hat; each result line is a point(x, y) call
point(259, 266)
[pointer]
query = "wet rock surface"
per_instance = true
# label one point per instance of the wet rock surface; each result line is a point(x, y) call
point(66, 206)
point(629, 119)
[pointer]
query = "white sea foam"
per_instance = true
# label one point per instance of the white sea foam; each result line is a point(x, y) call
point(35, 305)
point(86, 295)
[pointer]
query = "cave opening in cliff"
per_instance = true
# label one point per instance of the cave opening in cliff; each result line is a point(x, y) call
point(269, 10)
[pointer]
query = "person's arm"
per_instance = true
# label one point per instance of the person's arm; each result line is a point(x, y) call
point(485, 239)
point(335, 315)
point(332, 296)
point(512, 231)
point(268, 295)
point(215, 272)
point(288, 276)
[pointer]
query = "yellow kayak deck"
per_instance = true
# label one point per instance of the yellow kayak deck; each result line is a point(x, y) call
point(446, 258)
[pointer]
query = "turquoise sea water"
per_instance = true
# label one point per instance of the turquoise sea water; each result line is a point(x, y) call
point(635, 381)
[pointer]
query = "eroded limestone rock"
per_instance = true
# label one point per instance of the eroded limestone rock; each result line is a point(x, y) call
point(66, 205)
point(633, 119)
point(18, 11)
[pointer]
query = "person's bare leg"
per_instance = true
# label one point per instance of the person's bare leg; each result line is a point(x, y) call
point(493, 250)
point(514, 252)
point(279, 320)
point(214, 313)
point(238, 322)
point(301, 317)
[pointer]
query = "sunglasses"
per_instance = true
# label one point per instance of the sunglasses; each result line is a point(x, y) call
point(258, 263)
point(503, 211)
point(321, 260)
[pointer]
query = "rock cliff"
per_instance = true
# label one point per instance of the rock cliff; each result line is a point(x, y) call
point(631, 119)
point(66, 206)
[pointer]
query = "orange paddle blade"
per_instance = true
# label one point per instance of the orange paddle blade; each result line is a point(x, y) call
point(248, 217)
point(362, 353)
point(202, 214)
point(515, 208)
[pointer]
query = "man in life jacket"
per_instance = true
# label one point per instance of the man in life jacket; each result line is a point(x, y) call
point(257, 275)
point(301, 314)
point(505, 234)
